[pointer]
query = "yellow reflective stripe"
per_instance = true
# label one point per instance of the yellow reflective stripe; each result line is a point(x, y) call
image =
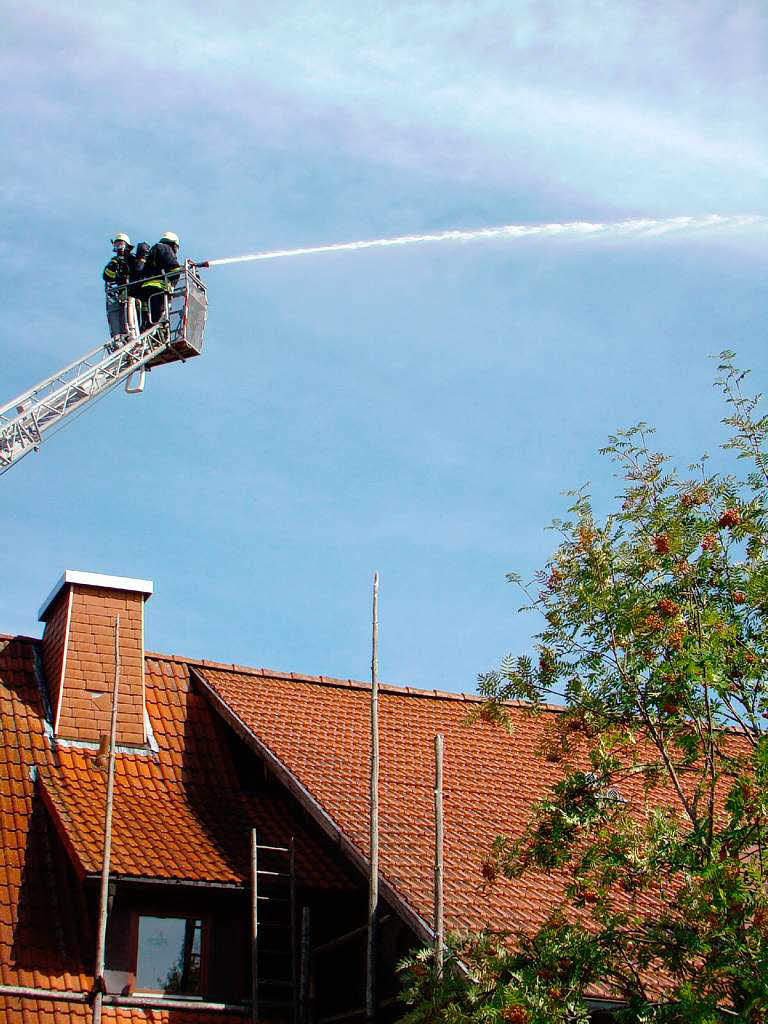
point(161, 282)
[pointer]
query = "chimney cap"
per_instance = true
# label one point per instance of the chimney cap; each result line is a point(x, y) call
point(94, 579)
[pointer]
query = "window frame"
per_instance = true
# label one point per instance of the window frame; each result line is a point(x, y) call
point(205, 930)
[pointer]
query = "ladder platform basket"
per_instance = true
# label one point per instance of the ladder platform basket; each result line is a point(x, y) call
point(187, 312)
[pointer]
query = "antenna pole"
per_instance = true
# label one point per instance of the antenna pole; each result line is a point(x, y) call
point(373, 888)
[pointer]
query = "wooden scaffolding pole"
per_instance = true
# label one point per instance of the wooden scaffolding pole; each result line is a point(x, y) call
point(101, 940)
point(305, 966)
point(373, 886)
point(439, 823)
point(254, 926)
point(294, 925)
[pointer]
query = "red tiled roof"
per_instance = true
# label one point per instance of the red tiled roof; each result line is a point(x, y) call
point(31, 869)
point(180, 813)
point(320, 732)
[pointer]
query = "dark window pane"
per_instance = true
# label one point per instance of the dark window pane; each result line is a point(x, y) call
point(169, 958)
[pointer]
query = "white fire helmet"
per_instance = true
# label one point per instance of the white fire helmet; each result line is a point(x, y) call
point(172, 237)
point(121, 237)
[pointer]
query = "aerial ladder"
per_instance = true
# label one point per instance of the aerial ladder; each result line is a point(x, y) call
point(29, 418)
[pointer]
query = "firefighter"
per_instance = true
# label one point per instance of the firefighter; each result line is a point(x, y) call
point(116, 276)
point(136, 287)
point(162, 270)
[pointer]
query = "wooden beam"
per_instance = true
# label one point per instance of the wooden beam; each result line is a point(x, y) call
point(341, 940)
point(438, 922)
point(373, 876)
point(101, 937)
point(305, 963)
point(148, 1001)
point(254, 928)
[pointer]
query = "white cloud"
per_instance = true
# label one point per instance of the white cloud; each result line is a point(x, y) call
point(634, 107)
point(632, 97)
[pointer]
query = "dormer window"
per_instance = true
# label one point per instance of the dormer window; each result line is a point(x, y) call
point(170, 955)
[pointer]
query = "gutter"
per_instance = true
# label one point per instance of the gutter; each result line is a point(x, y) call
point(93, 876)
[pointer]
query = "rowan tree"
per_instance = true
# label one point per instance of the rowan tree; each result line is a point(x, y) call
point(656, 638)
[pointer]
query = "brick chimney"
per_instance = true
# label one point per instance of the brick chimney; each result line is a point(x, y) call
point(79, 655)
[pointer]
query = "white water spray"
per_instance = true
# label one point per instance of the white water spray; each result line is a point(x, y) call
point(584, 229)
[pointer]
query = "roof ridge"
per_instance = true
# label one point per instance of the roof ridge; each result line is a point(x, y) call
point(302, 677)
point(347, 684)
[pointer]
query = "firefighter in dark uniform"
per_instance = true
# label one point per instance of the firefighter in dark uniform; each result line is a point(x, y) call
point(138, 273)
point(162, 270)
point(116, 276)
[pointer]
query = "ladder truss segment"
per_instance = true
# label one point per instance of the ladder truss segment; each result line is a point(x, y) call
point(28, 418)
point(25, 421)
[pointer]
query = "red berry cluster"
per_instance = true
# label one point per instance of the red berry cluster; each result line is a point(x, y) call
point(555, 579)
point(739, 597)
point(695, 497)
point(515, 1015)
point(668, 607)
point(547, 662)
point(676, 637)
point(661, 543)
point(489, 871)
point(586, 536)
point(653, 623)
point(730, 518)
point(761, 919)
point(709, 542)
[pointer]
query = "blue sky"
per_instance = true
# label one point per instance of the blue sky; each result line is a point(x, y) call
point(417, 411)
